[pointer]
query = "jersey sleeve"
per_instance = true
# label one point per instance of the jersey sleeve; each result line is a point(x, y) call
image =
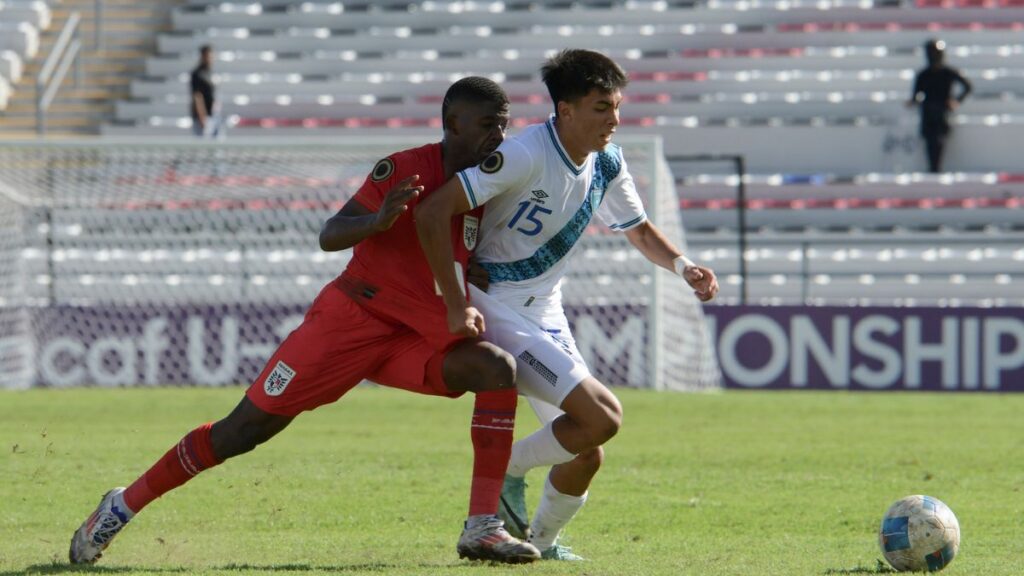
point(622, 208)
point(507, 168)
point(382, 178)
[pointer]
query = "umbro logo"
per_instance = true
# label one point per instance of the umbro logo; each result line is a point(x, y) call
point(539, 195)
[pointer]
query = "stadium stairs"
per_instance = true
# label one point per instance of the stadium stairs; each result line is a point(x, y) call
point(130, 30)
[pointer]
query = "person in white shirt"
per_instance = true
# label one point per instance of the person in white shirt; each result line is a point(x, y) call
point(541, 189)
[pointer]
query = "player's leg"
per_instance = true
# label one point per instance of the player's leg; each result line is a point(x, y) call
point(304, 372)
point(467, 365)
point(494, 413)
point(489, 371)
point(201, 449)
point(564, 494)
point(471, 365)
point(592, 415)
point(550, 368)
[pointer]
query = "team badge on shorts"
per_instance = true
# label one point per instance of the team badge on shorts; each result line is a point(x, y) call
point(278, 379)
point(492, 163)
point(382, 170)
point(470, 231)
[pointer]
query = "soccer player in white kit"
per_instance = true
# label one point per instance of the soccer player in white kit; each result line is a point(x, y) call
point(542, 188)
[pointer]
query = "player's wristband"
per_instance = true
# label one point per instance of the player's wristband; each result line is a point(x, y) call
point(681, 263)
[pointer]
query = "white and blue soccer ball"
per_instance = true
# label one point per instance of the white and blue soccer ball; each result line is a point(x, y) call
point(919, 533)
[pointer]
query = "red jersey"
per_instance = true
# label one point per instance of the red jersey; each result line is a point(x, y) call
point(388, 273)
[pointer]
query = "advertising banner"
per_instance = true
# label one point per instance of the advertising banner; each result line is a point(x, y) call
point(869, 348)
point(816, 348)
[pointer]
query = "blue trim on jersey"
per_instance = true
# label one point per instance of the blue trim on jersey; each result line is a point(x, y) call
point(607, 166)
point(550, 124)
point(469, 189)
point(632, 222)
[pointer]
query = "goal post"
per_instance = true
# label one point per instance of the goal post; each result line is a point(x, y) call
point(134, 263)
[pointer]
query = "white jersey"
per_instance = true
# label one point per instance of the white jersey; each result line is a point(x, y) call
point(538, 204)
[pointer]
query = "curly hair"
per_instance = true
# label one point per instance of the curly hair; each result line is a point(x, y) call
point(473, 89)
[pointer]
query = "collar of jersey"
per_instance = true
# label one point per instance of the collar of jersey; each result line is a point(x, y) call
point(577, 170)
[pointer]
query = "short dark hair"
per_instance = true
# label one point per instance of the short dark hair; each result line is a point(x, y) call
point(473, 89)
point(205, 49)
point(572, 74)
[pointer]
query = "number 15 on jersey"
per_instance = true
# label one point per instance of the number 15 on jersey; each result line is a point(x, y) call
point(530, 212)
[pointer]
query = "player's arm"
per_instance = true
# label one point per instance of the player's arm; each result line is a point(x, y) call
point(355, 221)
point(477, 275)
point(433, 217)
point(622, 210)
point(649, 240)
point(507, 168)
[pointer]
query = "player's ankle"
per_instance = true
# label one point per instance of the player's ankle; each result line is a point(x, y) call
point(477, 519)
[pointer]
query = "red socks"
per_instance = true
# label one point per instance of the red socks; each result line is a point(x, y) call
point(494, 417)
point(191, 455)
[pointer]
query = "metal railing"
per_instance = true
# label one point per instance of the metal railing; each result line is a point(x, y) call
point(62, 56)
point(98, 30)
point(805, 255)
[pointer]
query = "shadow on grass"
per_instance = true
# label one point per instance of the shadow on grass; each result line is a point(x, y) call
point(63, 568)
point(879, 568)
point(368, 567)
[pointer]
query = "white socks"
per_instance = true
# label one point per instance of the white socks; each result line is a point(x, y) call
point(538, 449)
point(118, 502)
point(553, 513)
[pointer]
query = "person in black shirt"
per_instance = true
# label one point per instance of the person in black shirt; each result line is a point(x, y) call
point(204, 121)
point(933, 89)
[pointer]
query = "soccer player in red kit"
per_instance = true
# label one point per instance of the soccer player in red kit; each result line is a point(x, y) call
point(382, 320)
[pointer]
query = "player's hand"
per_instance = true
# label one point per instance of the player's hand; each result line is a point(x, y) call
point(396, 202)
point(702, 280)
point(465, 321)
point(952, 104)
point(477, 275)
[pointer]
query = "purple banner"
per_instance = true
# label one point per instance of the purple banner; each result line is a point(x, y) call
point(840, 348)
point(220, 345)
point(152, 345)
point(822, 348)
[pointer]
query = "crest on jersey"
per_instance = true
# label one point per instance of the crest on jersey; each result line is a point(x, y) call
point(383, 170)
point(278, 379)
point(470, 231)
point(492, 163)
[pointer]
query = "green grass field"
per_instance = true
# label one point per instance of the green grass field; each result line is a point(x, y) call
point(732, 483)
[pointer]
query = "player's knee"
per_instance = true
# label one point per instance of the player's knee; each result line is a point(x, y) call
point(607, 424)
point(604, 430)
point(499, 370)
point(480, 367)
point(591, 460)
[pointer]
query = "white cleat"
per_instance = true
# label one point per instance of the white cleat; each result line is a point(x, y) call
point(95, 534)
point(488, 540)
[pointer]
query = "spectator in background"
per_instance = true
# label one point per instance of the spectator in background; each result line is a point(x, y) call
point(933, 89)
point(205, 122)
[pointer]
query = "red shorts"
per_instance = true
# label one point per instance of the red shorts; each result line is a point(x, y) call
point(423, 313)
point(338, 345)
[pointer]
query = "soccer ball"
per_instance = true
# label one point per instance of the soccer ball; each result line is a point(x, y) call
point(919, 533)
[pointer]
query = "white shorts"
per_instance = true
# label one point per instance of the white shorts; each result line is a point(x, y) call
point(548, 365)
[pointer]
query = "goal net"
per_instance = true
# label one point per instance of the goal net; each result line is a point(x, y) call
point(141, 264)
